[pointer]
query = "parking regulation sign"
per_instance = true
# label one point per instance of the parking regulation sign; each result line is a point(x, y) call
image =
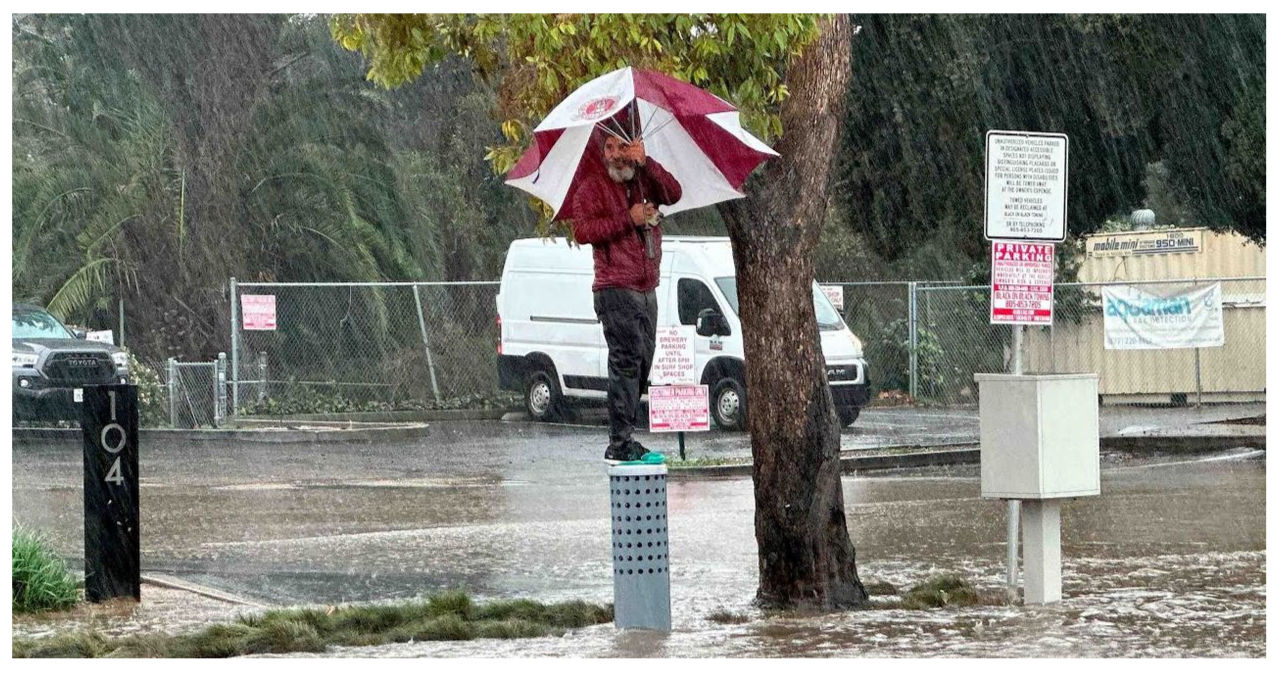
point(258, 312)
point(1021, 283)
point(679, 408)
point(673, 358)
point(1026, 186)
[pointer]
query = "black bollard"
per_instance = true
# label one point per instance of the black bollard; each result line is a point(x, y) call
point(112, 556)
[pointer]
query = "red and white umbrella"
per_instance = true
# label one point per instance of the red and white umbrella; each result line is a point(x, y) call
point(694, 134)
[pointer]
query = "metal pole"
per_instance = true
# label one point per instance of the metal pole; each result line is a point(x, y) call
point(121, 342)
point(235, 350)
point(262, 377)
point(426, 344)
point(1013, 507)
point(911, 340)
point(1017, 349)
point(1199, 388)
point(173, 392)
point(220, 392)
point(680, 435)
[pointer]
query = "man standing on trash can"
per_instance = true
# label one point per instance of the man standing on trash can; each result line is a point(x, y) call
point(617, 213)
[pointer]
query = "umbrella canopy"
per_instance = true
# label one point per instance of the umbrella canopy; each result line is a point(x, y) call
point(694, 134)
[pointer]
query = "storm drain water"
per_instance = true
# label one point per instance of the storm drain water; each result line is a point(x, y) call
point(641, 574)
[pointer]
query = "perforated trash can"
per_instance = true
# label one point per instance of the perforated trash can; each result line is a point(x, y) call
point(641, 570)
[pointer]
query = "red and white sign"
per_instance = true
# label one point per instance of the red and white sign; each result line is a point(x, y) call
point(835, 294)
point(258, 312)
point(1021, 283)
point(679, 408)
point(673, 356)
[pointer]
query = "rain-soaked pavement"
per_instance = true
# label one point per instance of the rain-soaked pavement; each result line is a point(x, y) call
point(1169, 561)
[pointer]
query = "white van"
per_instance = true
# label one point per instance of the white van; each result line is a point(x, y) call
point(552, 346)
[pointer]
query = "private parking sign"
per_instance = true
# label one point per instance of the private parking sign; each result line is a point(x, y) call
point(1021, 283)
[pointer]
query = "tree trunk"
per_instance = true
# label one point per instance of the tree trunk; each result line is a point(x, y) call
point(806, 556)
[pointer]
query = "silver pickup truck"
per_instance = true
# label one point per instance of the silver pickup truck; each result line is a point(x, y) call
point(50, 363)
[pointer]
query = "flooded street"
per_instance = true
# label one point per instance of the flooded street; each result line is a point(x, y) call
point(1170, 560)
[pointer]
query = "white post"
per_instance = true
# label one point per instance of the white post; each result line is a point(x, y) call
point(1042, 551)
point(1013, 507)
point(426, 344)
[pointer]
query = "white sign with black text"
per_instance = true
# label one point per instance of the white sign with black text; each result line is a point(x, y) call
point(1026, 186)
point(673, 357)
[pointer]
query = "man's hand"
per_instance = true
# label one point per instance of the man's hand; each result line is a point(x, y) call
point(641, 214)
point(636, 153)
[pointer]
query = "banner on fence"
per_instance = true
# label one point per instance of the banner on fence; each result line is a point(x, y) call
point(679, 408)
point(1021, 283)
point(673, 356)
point(258, 312)
point(1136, 318)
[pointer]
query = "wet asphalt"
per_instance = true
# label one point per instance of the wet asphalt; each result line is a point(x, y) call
point(517, 509)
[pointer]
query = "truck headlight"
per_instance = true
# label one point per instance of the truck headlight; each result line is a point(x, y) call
point(121, 359)
point(24, 360)
point(857, 345)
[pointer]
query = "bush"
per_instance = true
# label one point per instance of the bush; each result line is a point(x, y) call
point(153, 399)
point(40, 578)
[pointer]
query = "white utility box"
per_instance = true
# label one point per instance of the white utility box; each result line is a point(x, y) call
point(1039, 435)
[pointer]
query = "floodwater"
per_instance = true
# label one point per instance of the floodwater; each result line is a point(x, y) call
point(1169, 561)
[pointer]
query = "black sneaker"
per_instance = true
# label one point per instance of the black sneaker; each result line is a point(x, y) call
point(618, 453)
point(636, 450)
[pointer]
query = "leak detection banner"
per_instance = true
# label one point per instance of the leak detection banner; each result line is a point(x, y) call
point(1137, 317)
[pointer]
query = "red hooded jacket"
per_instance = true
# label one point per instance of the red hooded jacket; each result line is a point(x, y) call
point(602, 218)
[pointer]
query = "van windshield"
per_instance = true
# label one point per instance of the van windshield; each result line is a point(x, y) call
point(828, 317)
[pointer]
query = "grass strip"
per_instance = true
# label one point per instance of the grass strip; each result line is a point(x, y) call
point(447, 616)
point(41, 581)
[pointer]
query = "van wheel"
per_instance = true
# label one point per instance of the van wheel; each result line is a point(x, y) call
point(729, 404)
point(542, 399)
point(847, 415)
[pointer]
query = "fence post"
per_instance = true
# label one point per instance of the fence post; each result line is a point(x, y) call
point(262, 377)
point(912, 339)
point(220, 391)
point(173, 392)
point(426, 344)
point(235, 349)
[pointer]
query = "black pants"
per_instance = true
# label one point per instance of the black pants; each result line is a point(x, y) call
point(629, 319)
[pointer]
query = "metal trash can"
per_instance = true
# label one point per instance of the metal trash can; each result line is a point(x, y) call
point(641, 560)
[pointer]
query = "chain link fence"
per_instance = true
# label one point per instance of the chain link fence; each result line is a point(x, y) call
point(955, 339)
point(356, 347)
point(365, 347)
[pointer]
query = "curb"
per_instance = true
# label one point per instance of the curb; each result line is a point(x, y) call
point(392, 417)
point(406, 432)
point(165, 581)
point(969, 453)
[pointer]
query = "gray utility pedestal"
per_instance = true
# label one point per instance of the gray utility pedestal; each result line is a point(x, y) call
point(1039, 437)
point(641, 569)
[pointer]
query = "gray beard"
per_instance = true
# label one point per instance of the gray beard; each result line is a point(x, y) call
point(621, 175)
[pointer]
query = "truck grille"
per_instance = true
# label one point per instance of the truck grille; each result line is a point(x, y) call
point(76, 368)
point(842, 373)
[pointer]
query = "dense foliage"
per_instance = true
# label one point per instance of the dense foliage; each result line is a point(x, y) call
point(1163, 111)
point(156, 156)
